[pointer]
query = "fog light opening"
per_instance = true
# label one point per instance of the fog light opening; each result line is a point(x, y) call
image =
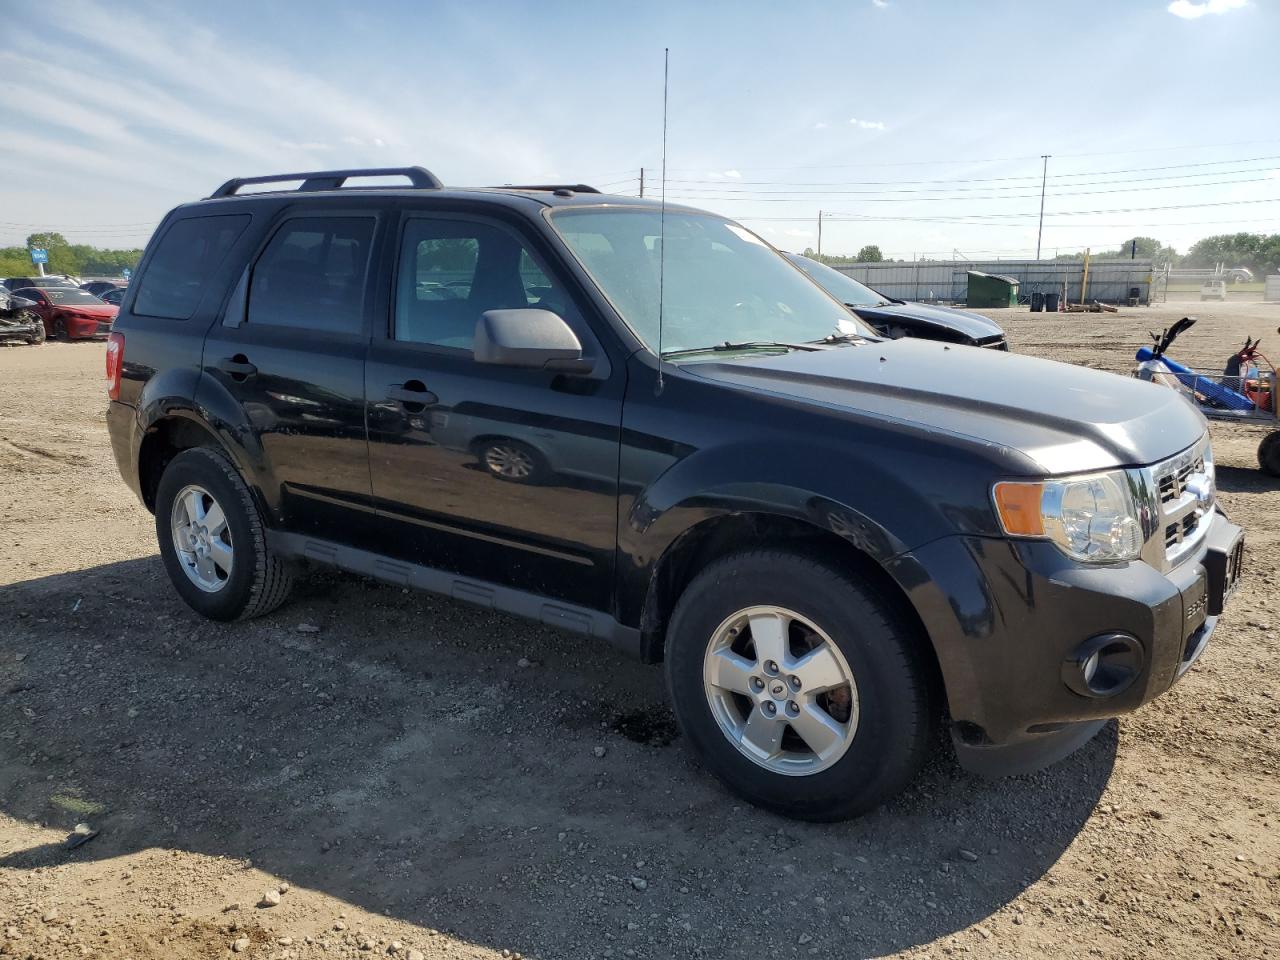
point(1103, 666)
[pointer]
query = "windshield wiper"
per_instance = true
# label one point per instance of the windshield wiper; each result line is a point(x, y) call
point(844, 338)
point(745, 345)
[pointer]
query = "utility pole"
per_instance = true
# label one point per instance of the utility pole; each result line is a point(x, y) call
point(642, 181)
point(1044, 179)
point(819, 233)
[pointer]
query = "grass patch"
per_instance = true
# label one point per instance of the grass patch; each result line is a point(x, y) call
point(77, 805)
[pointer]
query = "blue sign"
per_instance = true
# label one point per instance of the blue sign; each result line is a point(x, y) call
point(126, 273)
point(39, 255)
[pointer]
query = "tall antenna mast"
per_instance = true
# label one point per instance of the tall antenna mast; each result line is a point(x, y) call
point(662, 213)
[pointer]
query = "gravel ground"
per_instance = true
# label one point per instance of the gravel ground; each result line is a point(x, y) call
point(369, 771)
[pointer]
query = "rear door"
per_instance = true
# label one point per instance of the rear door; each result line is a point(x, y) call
point(501, 474)
point(291, 351)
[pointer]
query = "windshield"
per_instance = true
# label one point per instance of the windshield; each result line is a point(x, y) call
point(722, 283)
point(59, 295)
point(840, 285)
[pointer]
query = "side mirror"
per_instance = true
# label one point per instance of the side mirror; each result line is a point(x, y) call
point(528, 338)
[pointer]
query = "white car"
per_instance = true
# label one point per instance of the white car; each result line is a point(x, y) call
point(1213, 290)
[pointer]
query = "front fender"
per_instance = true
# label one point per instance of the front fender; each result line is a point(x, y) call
point(710, 483)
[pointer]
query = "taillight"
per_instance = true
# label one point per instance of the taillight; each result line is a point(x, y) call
point(115, 363)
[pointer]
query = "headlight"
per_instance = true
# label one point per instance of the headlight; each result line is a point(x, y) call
point(1091, 518)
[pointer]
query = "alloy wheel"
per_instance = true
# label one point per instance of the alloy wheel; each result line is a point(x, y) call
point(781, 691)
point(202, 538)
point(508, 460)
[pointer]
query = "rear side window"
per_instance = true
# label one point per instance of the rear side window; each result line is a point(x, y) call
point(185, 258)
point(312, 275)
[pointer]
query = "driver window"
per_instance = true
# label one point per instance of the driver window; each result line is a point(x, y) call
point(452, 271)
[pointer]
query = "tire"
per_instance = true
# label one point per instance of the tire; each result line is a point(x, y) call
point(60, 330)
point(1269, 454)
point(886, 738)
point(258, 580)
point(512, 460)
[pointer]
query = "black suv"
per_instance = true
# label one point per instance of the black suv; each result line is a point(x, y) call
point(832, 541)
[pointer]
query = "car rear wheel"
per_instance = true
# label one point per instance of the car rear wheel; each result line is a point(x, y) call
point(797, 685)
point(213, 540)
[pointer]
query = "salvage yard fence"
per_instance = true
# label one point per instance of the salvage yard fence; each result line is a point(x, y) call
point(946, 281)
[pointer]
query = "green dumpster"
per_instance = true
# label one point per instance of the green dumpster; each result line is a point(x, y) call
point(991, 290)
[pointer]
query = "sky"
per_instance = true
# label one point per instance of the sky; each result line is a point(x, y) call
point(916, 125)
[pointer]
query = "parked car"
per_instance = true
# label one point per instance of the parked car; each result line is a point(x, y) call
point(832, 540)
point(21, 283)
point(99, 287)
point(70, 313)
point(18, 320)
point(903, 318)
point(1213, 290)
point(114, 296)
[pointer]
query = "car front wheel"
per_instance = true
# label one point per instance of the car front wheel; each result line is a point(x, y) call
point(798, 685)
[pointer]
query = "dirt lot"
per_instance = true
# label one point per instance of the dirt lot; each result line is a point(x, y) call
point(427, 778)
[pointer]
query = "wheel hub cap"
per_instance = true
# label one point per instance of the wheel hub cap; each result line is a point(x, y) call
point(202, 538)
point(780, 690)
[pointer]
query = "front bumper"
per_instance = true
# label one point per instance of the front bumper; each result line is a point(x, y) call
point(85, 328)
point(1005, 616)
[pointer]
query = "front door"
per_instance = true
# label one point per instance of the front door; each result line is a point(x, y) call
point(501, 474)
point(291, 351)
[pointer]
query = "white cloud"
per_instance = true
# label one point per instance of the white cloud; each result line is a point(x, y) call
point(1192, 10)
point(867, 124)
point(734, 174)
point(821, 126)
point(880, 4)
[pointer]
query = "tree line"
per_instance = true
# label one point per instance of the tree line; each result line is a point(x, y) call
point(77, 259)
point(1260, 252)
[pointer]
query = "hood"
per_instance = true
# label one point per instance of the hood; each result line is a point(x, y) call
point(100, 311)
point(972, 325)
point(1060, 418)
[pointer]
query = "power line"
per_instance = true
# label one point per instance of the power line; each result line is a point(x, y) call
point(958, 162)
point(735, 182)
point(863, 197)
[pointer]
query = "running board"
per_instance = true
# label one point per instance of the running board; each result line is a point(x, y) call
point(480, 593)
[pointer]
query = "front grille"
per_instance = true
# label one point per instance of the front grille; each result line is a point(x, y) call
point(1173, 484)
point(1178, 531)
point(1181, 516)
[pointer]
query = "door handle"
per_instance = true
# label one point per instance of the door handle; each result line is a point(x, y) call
point(413, 395)
point(238, 367)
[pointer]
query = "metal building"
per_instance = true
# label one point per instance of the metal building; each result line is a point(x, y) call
point(946, 281)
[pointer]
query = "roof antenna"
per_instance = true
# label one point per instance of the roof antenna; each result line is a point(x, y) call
point(662, 214)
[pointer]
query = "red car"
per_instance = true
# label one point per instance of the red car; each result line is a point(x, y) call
point(69, 313)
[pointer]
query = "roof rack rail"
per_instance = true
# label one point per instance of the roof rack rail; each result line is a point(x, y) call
point(419, 178)
point(551, 187)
